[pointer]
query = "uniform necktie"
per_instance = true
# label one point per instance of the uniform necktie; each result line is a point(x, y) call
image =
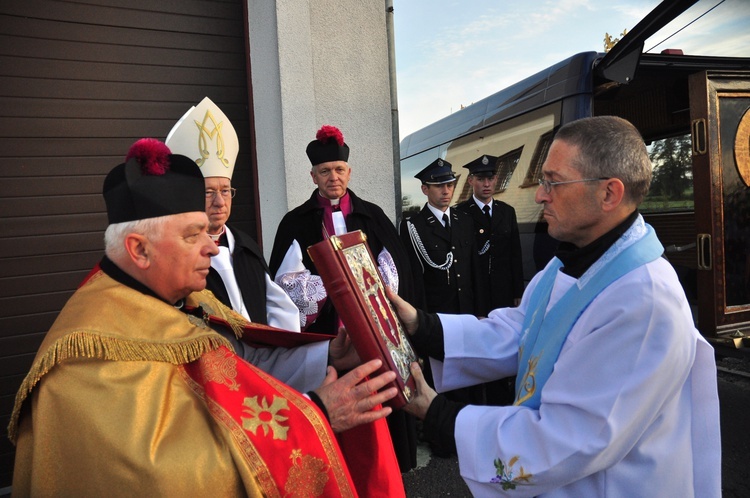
point(446, 222)
point(483, 250)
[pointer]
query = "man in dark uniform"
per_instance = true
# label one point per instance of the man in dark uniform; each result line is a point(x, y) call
point(334, 209)
point(440, 242)
point(497, 237)
point(500, 277)
point(441, 247)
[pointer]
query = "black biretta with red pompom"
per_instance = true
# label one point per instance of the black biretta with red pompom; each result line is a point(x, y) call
point(328, 146)
point(153, 182)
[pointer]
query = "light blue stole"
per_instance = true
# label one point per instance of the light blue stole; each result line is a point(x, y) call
point(544, 334)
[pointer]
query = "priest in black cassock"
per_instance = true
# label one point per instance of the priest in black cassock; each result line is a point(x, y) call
point(334, 209)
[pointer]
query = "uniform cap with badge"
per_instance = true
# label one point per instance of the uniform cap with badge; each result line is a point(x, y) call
point(482, 166)
point(437, 172)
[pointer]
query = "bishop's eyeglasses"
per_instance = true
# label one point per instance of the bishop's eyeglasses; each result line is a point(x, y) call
point(226, 193)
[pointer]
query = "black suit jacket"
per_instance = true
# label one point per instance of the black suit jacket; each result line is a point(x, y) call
point(250, 269)
point(304, 223)
point(445, 291)
point(501, 265)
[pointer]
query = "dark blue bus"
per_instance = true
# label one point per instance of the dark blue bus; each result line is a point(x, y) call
point(694, 114)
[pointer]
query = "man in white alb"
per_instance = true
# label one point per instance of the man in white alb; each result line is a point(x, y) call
point(616, 390)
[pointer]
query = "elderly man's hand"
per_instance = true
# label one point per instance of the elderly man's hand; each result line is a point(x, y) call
point(420, 403)
point(350, 401)
point(341, 352)
point(405, 311)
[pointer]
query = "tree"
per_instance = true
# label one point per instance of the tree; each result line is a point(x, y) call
point(407, 208)
point(672, 174)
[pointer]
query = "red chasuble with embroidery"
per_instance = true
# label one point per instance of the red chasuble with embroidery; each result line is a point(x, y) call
point(272, 425)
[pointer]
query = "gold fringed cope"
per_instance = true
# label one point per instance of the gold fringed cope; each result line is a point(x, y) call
point(87, 345)
point(212, 306)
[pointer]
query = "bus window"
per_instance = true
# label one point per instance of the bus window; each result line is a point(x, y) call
point(672, 182)
point(669, 207)
point(521, 144)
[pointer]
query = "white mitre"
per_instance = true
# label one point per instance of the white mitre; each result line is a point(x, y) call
point(205, 135)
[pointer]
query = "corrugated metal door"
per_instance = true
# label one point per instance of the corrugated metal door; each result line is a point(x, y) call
point(79, 83)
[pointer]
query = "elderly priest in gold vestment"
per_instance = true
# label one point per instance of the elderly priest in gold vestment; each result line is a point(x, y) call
point(133, 393)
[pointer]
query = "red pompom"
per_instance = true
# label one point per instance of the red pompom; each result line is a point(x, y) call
point(152, 155)
point(327, 132)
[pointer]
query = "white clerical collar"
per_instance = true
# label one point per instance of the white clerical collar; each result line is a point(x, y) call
point(216, 237)
point(438, 213)
point(334, 202)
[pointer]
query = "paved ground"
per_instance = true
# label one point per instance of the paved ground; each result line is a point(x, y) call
point(734, 395)
point(438, 477)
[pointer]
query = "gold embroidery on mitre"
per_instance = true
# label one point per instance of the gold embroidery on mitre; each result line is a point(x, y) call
point(266, 416)
point(206, 136)
point(308, 476)
point(220, 366)
point(528, 382)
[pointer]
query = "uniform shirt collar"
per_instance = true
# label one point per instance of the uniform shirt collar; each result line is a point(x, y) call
point(438, 213)
point(481, 204)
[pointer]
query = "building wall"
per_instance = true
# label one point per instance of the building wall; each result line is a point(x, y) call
point(319, 62)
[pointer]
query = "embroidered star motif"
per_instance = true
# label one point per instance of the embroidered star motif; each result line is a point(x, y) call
point(266, 416)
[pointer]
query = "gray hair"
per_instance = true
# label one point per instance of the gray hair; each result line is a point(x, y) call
point(610, 147)
point(114, 236)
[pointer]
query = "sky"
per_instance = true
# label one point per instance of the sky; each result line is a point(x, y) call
point(451, 53)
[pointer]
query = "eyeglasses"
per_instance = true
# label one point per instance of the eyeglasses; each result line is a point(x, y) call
point(226, 193)
point(547, 185)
